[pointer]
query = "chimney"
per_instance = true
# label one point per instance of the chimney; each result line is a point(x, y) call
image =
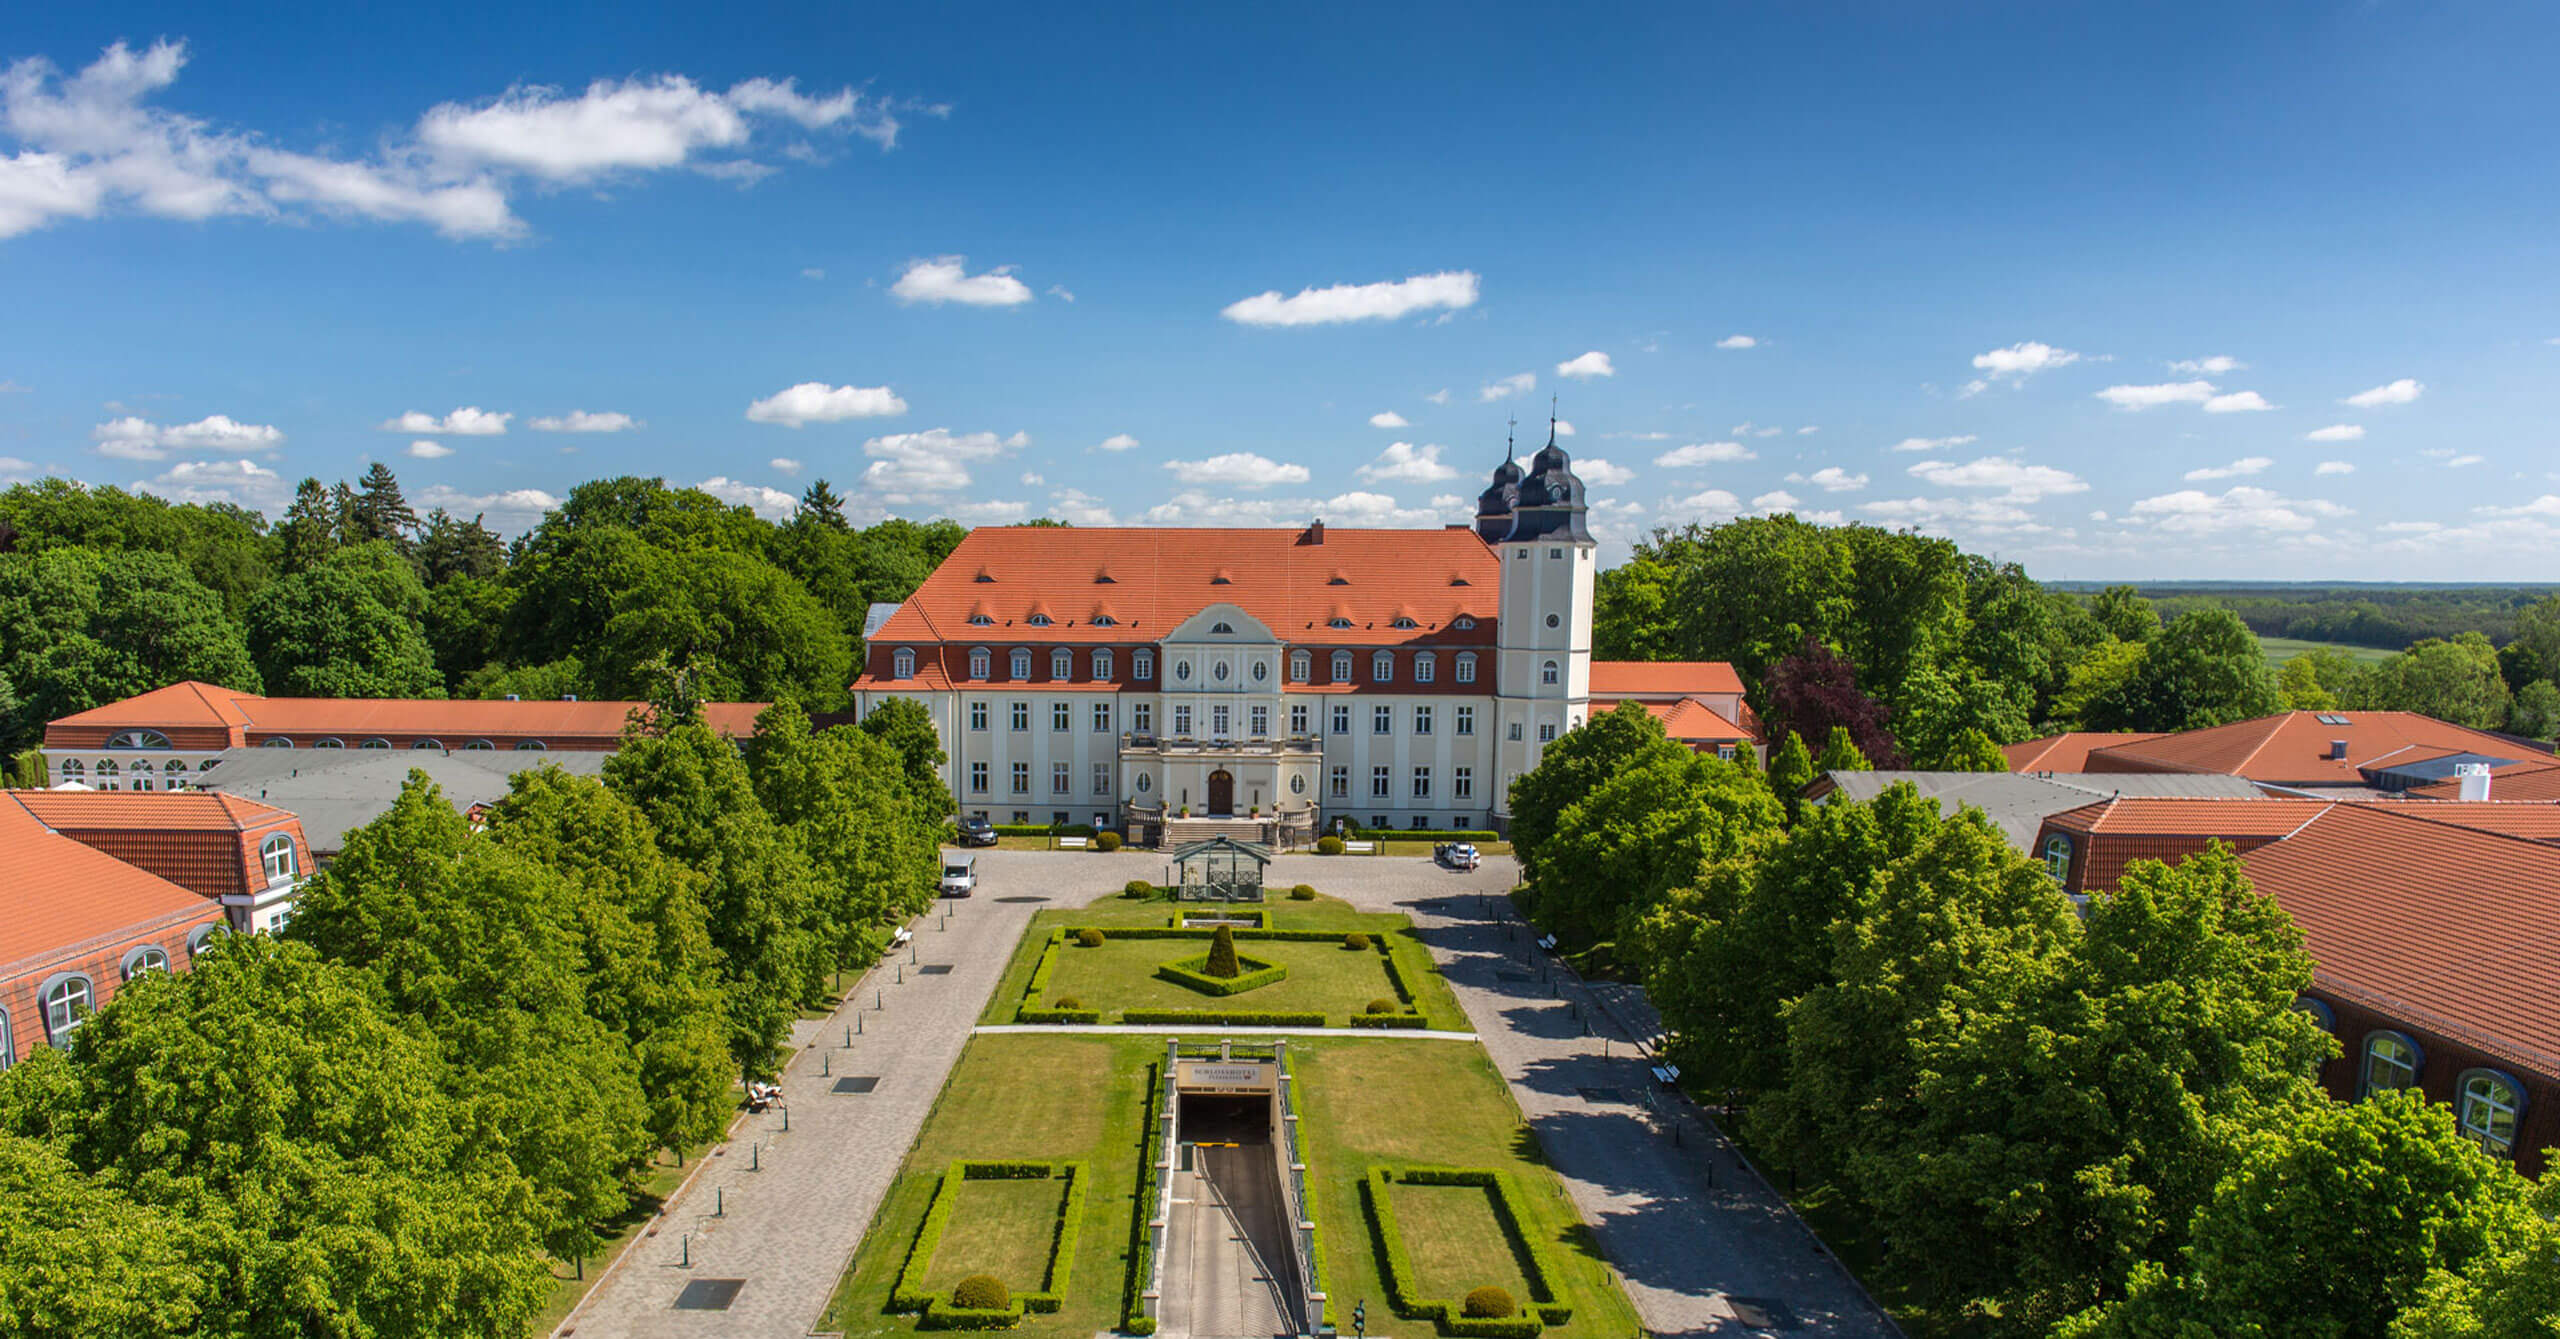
point(2337, 750)
point(1315, 531)
point(2474, 780)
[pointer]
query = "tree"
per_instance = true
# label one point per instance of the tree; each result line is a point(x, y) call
point(453, 548)
point(463, 619)
point(2538, 634)
point(1815, 691)
point(1840, 753)
point(1790, 771)
point(821, 505)
point(1575, 765)
point(2510, 1291)
point(2093, 695)
point(224, 547)
point(2328, 1225)
point(754, 633)
point(381, 514)
point(844, 796)
point(1631, 612)
point(309, 533)
point(348, 627)
point(77, 1257)
point(2455, 681)
point(2124, 614)
point(2204, 669)
point(1647, 830)
point(1945, 713)
point(2535, 713)
point(1974, 751)
point(80, 628)
point(2323, 678)
point(907, 728)
point(1222, 955)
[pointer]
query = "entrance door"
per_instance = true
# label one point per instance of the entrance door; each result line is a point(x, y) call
point(1222, 793)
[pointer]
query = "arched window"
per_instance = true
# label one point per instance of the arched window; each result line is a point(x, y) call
point(1302, 664)
point(202, 934)
point(142, 765)
point(1038, 620)
point(902, 663)
point(1342, 667)
point(2057, 857)
point(71, 769)
point(1424, 665)
point(2320, 1012)
point(425, 743)
point(146, 958)
point(1062, 663)
point(1463, 623)
point(1466, 667)
point(107, 772)
point(1403, 621)
point(980, 662)
point(2391, 1062)
point(1142, 664)
point(1102, 664)
point(278, 742)
point(1549, 673)
point(531, 746)
point(1021, 659)
point(8, 1042)
point(1382, 667)
point(1337, 621)
point(68, 1001)
point(138, 739)
point(328, 742)
point(479, 746)
point(376, 743)
point(2489, 1103)
point(1103, 621)
point(981, 621)
point(1216, 628)
point(276, 854)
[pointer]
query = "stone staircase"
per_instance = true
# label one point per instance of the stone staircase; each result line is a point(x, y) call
point(1184, 831)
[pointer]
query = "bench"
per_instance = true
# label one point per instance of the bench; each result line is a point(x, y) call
point(1074, 843)
point(1359, 848)
point(900, 937)
point(1547, 942)
point(1667, 1075)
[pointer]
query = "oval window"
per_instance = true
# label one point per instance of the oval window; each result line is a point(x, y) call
point(1182, 669)
point(1145, 784)
point(1261, 671)
point(1297, 785)
point(1219, 671)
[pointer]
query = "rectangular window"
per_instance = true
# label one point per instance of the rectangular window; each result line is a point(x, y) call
point(1342, 720)
point(1102, 664)
point(1102, 778)
point(1261, 722)
point(1022, 778)
point(1102, 718)
point(1422, 667)
point(977, 778)
point(1466, 667)
point(1466, 720)
point(1021, 715)
point(1515, 732)
point(1297, 718)
point(1142, 717)
point(1341, 783)
point(977, 715)
point(1462, 783)
point(1381, 782)
point(1422, 783)
point(1422, 720)
point(1182, 720)
point(1057, 818)
point(1142, 664)
point(1061, 716)
point(1057, 778)
point(1382, 720)
point(1220, 720)
point(1547, 733)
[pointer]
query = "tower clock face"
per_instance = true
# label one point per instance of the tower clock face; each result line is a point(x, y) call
point(1554, 621)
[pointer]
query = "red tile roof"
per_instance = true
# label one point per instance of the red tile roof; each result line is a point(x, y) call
point(246, 718)
point(61, 894)
point(153, 811)
point(2453, 929)
point(186, 702)
point(2532, 820)
point(1147, 580)
point(2527, 781)
point(2157, 816)
point(1687, 720)
point(2293, 748)
point(1662, 678)
point(203, 841)
point(2068, 752)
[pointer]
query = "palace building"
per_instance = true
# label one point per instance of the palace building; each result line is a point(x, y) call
point(1132, 677)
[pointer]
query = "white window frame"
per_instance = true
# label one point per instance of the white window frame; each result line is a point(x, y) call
point(1422, 720)
point(1422, 783)
point(1382, 720)
point(981, 662)
point(1102, 717)
point(1102, 664)
point(1466, 671)
point(1465, 724)
point(1382, 781)
point(278, 857)
point(1424, 663)
point(978, 714)
point(1550, 672)
point(1061, 716)
point(1462, 783)
point(1301, 665)
point(1142, 663)
point(1022, 778)
point(1020, 663)
point(1342, 667)
point(1021, 717)
point(1382, 667)
point(902, 663)
point(1062, 665)
point(977, 778)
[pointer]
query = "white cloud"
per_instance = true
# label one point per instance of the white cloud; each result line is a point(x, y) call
point(1118, 441)
point(1808, 430)
point(2243, 466)
point(1032, 479)
point(947, 279)
point(2395, 392)
point(1737, 342)
point(1931, 443)
point(1357, 508)
point(426, 450)
point(1714, 502)
point(468, 421)
point(1386, 301)
point(2546, 505)
point(818, 402)
point(1507, 387)
point(783, 465)
point(2016, 363)
point(242, 483)
point(1440, 396)
point(1831, 479)
point(1600, 473)
point(2220, 364)
point(510, 512)
point(2237, 402)
point(2410, 527)
point(2334, 467)
point(1059, 291)
point(2335, 432)
point(579, 420)
point(1237, 469)
point(2242, 508)
point(2018, 480)
point(770, 503)
point(813, 272)
point(1562, 427)
point(2459, 462)
point(2138, 398)
point(134, 438)
point(1401, 462)
point(1703, 453)
point(631, 125)
point(1586, 366)
point(1388, 418)
point(936, 460)
point(1079, 508)
point(1776, 499)
point(11, 387)
point(987, 512)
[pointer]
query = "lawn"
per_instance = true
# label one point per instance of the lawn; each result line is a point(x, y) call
point(1002, 1228)
point(1323, 977)
point(2281, 649)
point(1456, 1241)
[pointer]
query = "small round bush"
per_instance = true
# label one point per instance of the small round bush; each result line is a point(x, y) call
point(1066, 1002)
point(1139, 888)
point(1305, 892)
point(1106, 841)
point(1486, 1303)
point(1383, 1005)
point(1328, 846)
point(986, 1292)
point(1090, 938)
point(1355, 940)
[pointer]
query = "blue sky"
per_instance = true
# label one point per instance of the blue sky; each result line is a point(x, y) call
point(2262, 290)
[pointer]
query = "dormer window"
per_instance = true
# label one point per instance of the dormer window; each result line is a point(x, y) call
point(1337, 621)
point(1301, 664)
point(1104, 621)
point(1222, 579)
point(1038, 620)
point(985, 577)
point(1338, 579)
point(1062, 663)
point(981, 621)
point(1423, 664)
point(1218, 628)
point(1142, 663)
point(1102, 664)
point(1466, 667)
point(1382, 667)
point(979, 662)
point(1342, 667)
point(1464, 623)
point(903, 664)
point(1021, 663)
point(1403, 621)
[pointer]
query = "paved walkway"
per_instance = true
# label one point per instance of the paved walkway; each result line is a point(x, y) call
point(1213, 1029)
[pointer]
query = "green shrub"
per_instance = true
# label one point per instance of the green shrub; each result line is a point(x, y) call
point(1252, 974)
point(1066, 1002)
point(1222, 955)
point(1138, 888)
point(1032, 1014)
point(1387, 1020)
point(986, 1292)
point(1383, 1005)
point(1356, 940)
point(1305, 892)
point(1089, 937)
point(1328, 845)
point(1106, 841)
point(943, 1316)
point(1220, 1018)
point(1485, 1303)
point(1042, 830)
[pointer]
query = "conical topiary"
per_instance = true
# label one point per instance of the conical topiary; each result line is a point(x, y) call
point(1222, 955)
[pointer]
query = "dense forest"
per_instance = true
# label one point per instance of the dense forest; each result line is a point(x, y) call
point(105, 593)
point(2385, 617)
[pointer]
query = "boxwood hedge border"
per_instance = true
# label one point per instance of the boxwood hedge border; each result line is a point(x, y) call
point(1384, 943)
point(1193, 972)
point(1546, 1307)
point(939, 1312)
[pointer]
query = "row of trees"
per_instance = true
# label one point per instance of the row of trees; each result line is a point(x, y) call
point(105, 593)
point(2088, 1125)
point(2463, 679)
point(465, 1052)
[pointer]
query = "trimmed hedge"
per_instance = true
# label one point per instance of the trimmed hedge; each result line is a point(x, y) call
point(1133, 1317)
point(1137, 889)
point(1419, 835)
point(1206, 931)
point(1388, 1020)
point(1220, 1017)
point(941, 1315)
point(1546, 1307)
point(1395, 973)
point(1027, 1014)
point(1304, 892)
point(1194, 973)
point(1089, 937)
point(940, 1312)
point(1042, 830)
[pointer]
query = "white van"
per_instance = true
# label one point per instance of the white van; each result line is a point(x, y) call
point(959, 875)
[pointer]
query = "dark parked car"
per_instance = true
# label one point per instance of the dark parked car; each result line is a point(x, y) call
point(1457, 855)
point(975, 831)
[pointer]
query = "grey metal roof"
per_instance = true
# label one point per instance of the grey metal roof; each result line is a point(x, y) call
point(1260, 853)
point(2018, 805)
point(874, 617)
point(335, 790)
